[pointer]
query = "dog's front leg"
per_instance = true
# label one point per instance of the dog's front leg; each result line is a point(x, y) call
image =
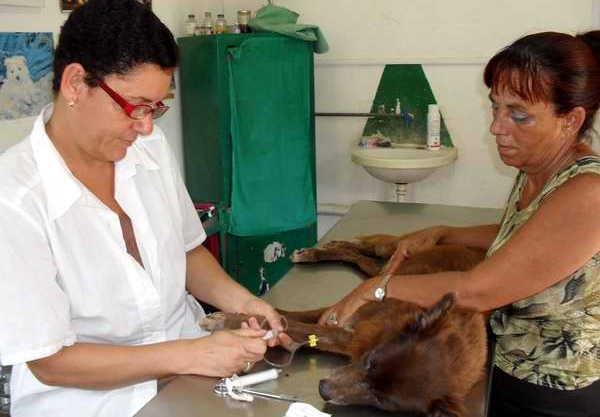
point(307, 316)
point(325, 338)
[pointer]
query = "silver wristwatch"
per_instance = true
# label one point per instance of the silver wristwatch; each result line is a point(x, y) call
point(381, 289)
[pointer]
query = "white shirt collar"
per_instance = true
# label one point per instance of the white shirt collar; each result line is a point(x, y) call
point(60, 185)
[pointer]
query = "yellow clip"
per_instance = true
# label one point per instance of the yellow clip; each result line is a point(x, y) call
point(312, 340)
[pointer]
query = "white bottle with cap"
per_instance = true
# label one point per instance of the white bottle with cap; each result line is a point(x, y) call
point(433, 127)
point(190, 25)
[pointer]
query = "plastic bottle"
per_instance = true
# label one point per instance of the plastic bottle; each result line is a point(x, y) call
point(190, 25)
point(221, 24)
point(433, 127)
point(208, 27)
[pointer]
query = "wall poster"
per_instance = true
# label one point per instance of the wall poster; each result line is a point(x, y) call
point(25, 73)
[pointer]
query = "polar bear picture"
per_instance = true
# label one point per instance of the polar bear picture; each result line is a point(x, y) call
point(25, 74)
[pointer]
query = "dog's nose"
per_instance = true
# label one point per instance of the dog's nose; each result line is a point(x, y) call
point(324, 388)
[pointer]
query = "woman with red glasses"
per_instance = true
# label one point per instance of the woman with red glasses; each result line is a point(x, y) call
point(100, 246)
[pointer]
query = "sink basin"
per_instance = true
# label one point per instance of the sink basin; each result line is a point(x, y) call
point(402, 165)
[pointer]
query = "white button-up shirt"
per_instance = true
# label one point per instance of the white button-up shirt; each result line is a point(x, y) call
point(66, 276)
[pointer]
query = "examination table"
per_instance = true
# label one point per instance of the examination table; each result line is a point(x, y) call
point(312, 286)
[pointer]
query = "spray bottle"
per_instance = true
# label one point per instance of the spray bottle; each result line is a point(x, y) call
point(433, 127)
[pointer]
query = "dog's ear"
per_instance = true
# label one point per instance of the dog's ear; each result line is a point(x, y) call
point(445, 407)
point(429, 318)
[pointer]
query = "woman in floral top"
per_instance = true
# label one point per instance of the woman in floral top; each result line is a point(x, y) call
point(541, 277)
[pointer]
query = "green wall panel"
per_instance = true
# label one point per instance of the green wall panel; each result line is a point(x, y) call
point(409, 84)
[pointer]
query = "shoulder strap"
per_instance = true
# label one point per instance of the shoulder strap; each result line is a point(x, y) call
point(586, 165)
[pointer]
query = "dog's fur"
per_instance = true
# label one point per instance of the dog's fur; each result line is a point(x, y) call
point(404, 358)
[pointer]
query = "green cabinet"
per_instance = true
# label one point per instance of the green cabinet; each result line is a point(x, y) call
point(248, 135)
point(258, 262)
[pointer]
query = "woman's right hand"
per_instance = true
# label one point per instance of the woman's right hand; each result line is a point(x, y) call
point(411, 244)
point(226, 352)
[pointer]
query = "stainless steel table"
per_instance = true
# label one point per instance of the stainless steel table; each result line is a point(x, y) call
point(312, 286)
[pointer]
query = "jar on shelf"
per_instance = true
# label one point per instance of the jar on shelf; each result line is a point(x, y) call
point(243, 20)
point(190, 25)
point(221, 24)
point(207, 27)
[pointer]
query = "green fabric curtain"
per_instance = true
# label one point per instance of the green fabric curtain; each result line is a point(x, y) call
point(272, 144)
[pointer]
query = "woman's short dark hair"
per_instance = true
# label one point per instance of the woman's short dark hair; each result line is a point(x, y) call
point(112, 37)
point(552, 67)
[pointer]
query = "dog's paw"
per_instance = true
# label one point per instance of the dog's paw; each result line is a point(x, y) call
point(304, 255)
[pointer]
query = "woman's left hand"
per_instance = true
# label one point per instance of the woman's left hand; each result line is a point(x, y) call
point(256, 306)
point(340, 313)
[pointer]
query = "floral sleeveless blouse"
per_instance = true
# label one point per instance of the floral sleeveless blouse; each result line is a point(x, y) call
point(551, 338)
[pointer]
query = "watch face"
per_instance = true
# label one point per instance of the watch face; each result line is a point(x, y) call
point(379, 294)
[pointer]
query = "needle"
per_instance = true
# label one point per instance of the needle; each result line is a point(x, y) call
point(270, 395)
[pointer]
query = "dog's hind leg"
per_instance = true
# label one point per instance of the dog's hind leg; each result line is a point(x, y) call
point(380, 245)
point(331, 252)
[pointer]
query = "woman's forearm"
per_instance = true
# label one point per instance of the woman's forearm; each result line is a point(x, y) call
point(474, 236)
point(99, 366)
point(207, 281)
point(427, 289)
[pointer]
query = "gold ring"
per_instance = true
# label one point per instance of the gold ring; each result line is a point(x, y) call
point(249, 366)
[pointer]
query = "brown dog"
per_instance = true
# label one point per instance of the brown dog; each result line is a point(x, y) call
point(403, 358)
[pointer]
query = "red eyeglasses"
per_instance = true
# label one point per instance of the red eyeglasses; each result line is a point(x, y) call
point(135, 111)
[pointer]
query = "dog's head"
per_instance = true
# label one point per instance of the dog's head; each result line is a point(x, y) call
point(16, 68)
point(410, 371)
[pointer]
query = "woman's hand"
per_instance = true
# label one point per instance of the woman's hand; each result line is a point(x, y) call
point(256, 306)
point(226, 352)
point(412, 243)
point(340, 313)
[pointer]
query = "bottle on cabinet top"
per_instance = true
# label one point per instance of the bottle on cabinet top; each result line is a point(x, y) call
point(221, 24)
point(190, 25)
point(243, 20)
point(433, 127)
point(207, 27)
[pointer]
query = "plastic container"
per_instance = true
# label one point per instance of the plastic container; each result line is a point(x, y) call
point(221, 24)
point(190, 25)
point(433, 127)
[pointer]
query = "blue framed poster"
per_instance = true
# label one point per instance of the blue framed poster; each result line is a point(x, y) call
point(25, 73)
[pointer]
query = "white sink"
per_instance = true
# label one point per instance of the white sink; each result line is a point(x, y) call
point(402, 165)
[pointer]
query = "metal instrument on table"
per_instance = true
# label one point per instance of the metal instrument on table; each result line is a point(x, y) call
point(237, 387)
